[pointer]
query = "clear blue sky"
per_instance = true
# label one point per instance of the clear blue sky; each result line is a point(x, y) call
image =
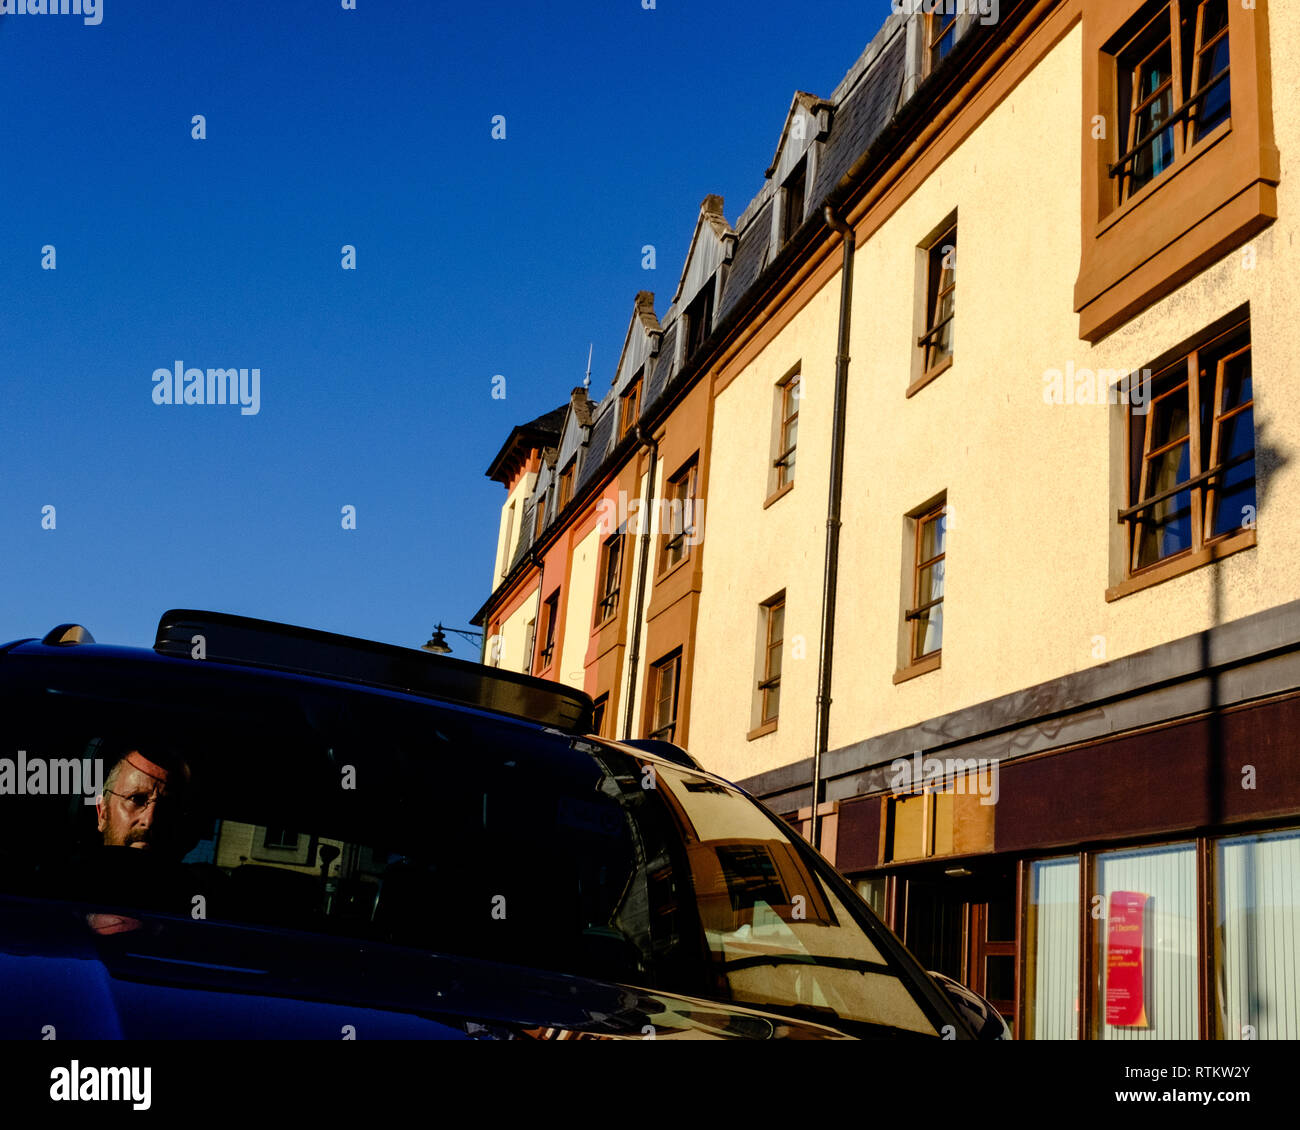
point(475, 257)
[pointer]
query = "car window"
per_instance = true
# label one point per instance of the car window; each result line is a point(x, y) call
point(776, 933)
point(378, 817)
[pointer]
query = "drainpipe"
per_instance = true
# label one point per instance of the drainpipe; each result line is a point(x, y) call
point(634, 653)
point(830, 581)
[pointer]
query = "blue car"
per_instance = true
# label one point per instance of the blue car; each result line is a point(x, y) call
point(259, 831)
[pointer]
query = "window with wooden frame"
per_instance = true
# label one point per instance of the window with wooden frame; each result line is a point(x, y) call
point(539, 516)
point(793, 198)
point(610, 576)
point(1192, 456)
point(936, 342)
point(677, 532)
point(1180, 164)
point(566, 483)
point(550, 613)
point(629, 406)
point(786, 434)
point(507, 540)
point(598, 715)
point(940, 33)
point(924, 617)
point(530, 634)
point(1174, 87)
point(699, 317)
point(665, 683)
point(768, 691)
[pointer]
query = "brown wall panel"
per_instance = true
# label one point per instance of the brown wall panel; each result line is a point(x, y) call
point(857, 846)
point(1154, 782)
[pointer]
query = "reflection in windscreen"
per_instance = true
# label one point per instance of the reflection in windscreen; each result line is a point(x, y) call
point(392, 820)
point(776, 933)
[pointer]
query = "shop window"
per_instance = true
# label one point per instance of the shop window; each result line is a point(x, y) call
point(1052, 950)
point(1257, 937)
point(873, 893)
point(1144, 942)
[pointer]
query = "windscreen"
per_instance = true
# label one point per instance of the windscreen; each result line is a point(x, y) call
point(288, 805)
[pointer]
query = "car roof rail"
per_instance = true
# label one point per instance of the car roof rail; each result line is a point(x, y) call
point(669, 751)
point(244, 641)
point(65, 635)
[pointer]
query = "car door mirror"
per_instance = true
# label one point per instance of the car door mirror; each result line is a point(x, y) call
point(985, 1020)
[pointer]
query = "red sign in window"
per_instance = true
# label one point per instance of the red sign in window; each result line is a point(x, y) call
point(1125, 960)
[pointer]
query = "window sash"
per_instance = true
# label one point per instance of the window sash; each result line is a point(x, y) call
point(788, 434)
point(667, 673)
point(552, 610)
point(611, 577)
point(770, 685)
point(921, 615)
point(1150, 529)
point(1186, 88)
point(629, 406)
point(793, 201)
point(941, 286)
point(941, 35)
point(681, 490)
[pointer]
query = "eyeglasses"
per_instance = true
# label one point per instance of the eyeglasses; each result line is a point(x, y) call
point(138, 802)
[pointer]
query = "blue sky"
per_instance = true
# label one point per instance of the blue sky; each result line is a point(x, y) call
point(475, 257)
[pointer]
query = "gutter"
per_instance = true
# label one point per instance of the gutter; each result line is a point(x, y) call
point(854, 188)
point(634, 653)
point(831, 572)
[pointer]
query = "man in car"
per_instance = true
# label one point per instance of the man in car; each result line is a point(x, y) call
point(143, 801)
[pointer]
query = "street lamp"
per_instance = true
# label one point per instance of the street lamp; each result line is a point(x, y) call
point(438, 641)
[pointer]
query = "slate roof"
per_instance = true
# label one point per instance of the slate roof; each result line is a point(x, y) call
point(749, 261)
point(658, 378)
point(862, 117)
point(864, 110)
point(598, 445)
point(543, 431)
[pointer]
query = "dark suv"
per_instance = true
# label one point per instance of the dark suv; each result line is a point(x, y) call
point(257, 831)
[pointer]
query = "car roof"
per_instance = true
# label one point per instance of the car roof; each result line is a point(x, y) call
point(538, 707)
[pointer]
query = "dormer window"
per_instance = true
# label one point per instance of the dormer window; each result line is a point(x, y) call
point(942, 33)
point(540, 524)
point(793, 196)
point(629, 407)
point(699, 318)
point(566, 483)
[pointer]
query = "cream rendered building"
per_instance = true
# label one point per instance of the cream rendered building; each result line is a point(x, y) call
point(1038, 658)
point(1089, 714)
